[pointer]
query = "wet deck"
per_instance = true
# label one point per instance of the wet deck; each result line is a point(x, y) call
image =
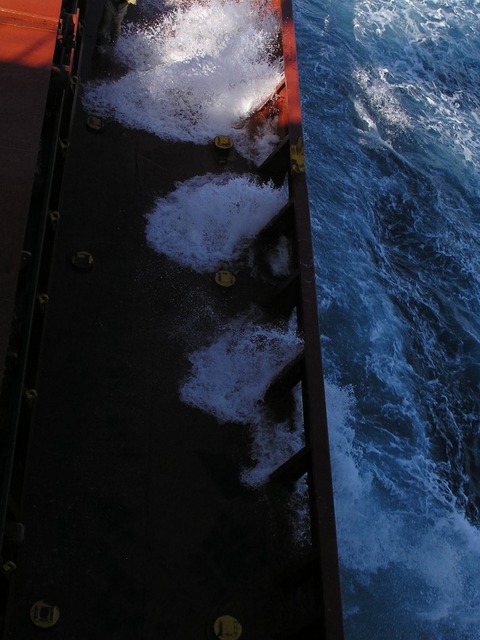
point(137, 525)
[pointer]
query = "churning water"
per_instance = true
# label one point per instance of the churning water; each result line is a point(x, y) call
point(391, 100)
point(391, 97)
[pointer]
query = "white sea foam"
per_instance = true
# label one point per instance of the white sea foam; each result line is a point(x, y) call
point(248, 356)
point(279, 258)
point(381, 97)
point(195, 72)
point(209, 219)
point(274, 443)
point(411, 535)
point(363, 530)
point(430, 51)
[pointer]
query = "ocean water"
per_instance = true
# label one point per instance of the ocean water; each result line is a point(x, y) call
point(391, 104)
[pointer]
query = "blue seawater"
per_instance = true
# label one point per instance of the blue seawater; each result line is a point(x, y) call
point(391, 107)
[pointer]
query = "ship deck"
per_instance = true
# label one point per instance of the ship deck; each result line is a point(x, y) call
point(137, 523)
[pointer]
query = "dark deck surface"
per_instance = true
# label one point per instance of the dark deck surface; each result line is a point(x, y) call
point(137, 525)
point(27, 45)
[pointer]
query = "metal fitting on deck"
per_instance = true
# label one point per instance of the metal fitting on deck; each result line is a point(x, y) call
point(222, 147)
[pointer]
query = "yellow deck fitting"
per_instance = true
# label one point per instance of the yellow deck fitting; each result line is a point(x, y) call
point(63, 144)
point(223, 142)
point(224, 278)
point(54, 217)
point(223, 146)
point(30, 396)
point(82, 260)
point(297, 158)
point(42, 299)
point(8, 568)
point(227, 628)
point(95, 124)
point(44, 615)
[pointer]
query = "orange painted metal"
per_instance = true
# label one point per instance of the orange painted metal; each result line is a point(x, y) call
point(316, 430)
point(28, 32)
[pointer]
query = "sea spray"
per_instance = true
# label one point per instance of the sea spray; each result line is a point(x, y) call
point(208, 220)
point(249, 355)
point(194, 72)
